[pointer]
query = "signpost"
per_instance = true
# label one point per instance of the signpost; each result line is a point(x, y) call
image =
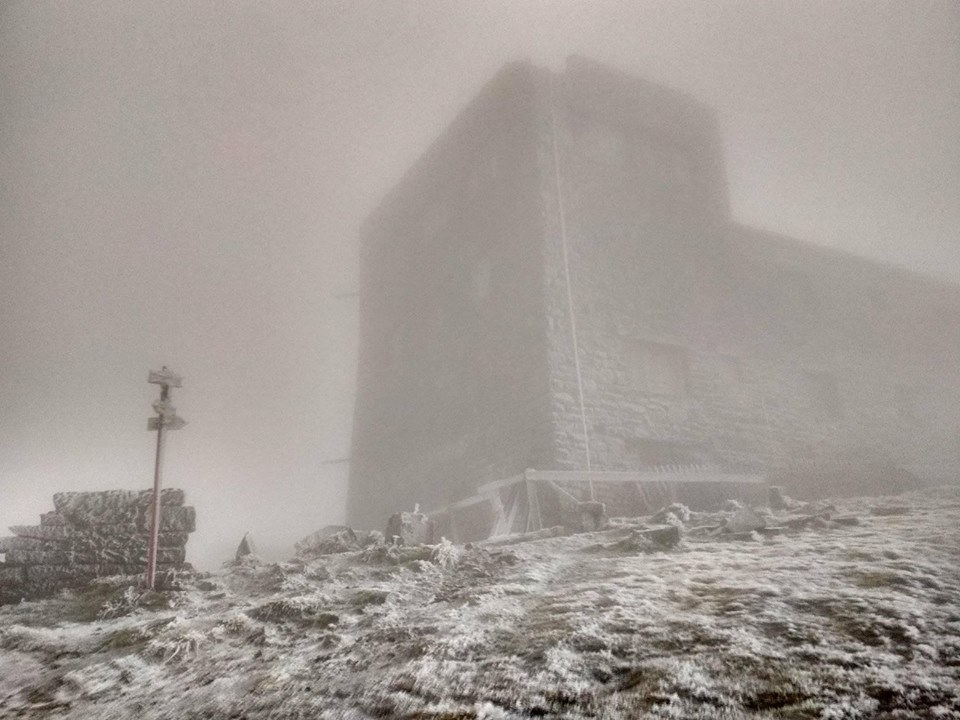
point(166, 419)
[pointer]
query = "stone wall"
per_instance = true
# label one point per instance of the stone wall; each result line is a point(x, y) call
point(452, 388)
point(765, 351)
point(90, 535)
point(700, 341)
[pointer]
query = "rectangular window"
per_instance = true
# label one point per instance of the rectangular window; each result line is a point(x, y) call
point(824, 393)
point(659, 369)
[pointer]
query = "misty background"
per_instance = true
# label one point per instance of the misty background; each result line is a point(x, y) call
point(181, 183)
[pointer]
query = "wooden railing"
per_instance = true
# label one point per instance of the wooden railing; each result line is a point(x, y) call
point(514, 504)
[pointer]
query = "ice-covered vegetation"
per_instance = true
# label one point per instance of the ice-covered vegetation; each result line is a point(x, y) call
point(857, 618)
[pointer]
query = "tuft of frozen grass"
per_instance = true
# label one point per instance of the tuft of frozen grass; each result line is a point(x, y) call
point(446, 554)
point(181, 646)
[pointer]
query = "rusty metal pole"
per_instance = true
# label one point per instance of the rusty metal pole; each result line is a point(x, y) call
point(157, 482)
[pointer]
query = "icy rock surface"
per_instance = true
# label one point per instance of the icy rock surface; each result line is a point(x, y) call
point(824, 620)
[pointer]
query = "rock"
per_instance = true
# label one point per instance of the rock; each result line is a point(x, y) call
point(329, 540)
point(245, 547)
point(666, 536)
point(846, 520)
point(373, 537)
point(73, 504)
point(10, 576)
point(731, 505)
point(52, 518)
point(889, 510)
point(593, 516)
point(658, 538)
point(165, 555)
point(410, 528)
point(680, 511)
point(798, 522)
point(742, 536)
point(19, 543)
point(745, 520)
point(94, 535)
point(771, 530)
point(775, 498)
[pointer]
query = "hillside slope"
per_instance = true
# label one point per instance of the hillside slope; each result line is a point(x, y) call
point(824, 620)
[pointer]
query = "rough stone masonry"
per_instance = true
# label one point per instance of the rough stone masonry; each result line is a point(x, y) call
point(90, 535)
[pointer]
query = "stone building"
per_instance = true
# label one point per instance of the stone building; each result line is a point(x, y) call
point(558, 283)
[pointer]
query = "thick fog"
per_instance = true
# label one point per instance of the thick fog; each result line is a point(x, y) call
point(181, 183)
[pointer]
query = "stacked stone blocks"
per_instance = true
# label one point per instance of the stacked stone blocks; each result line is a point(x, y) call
point(90, 535)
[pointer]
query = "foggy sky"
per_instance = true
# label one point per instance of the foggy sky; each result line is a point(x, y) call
point(181, 183)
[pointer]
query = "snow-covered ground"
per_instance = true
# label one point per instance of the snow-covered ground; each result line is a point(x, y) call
point(826, 621)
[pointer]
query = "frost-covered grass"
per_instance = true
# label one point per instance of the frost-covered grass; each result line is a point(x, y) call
point(833, 621)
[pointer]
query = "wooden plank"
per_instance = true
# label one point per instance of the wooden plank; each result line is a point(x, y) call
point(491, 487)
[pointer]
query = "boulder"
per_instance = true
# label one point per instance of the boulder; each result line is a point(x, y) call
point(745, 520)
point(775, 498)
point(83, 504)
point(650, 539)
point(373, 537)
point(410, 528)
point(245, 547)
point(329, 540)
point(678, 510)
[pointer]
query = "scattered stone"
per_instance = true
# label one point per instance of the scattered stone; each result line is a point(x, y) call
point(330, 540)
point(772, 530)
point(666, 536)
point(745, 520)
point(410, 528)
point(889, 510)
point(658, 538)
point(678, 510)
point(798, 522)
point(373, 537)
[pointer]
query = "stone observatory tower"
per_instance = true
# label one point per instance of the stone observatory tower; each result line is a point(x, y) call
point(557, 284)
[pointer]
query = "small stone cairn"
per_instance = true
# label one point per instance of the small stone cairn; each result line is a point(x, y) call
point(90, 535)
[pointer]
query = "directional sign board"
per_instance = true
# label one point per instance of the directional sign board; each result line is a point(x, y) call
point(165, 377)
point(169, 423)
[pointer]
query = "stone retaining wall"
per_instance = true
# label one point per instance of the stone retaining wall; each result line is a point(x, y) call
point(90, 535)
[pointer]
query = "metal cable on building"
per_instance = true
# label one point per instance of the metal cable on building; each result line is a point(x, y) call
point(566, 271)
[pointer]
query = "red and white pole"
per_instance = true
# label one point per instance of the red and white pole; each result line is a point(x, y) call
point(157, 483)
